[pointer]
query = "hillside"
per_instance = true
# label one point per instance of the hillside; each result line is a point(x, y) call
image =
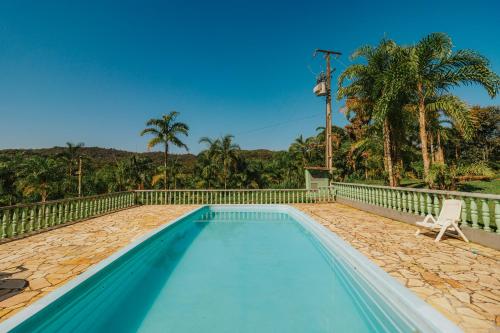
point(102, 156)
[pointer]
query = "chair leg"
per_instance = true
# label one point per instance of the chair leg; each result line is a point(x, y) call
point(460, 232)
point(441, 232)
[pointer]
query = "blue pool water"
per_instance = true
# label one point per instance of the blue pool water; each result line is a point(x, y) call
point(219, 271)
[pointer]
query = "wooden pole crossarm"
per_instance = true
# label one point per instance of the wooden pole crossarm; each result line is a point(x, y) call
point(327, 52)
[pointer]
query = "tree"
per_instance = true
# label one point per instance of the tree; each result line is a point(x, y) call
point(485, 144)
point(206, 170)
point(433, 68)
point(140, 169)
point(39, 176)
point(229, 156)
point(223, 152)
point(8, 193)
point(122, 180)
point(70, 155)
point(444, 112)
point(301, 149)
point(375, 90)
point(174, 171)
point(208, 162)
point(166, 131)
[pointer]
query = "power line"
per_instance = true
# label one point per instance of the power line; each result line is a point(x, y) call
point(340, 62)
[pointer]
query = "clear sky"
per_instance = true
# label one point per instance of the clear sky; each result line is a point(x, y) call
point(95, 71)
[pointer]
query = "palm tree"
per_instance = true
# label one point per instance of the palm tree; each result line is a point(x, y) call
point(174, 167)
point(207, 162)
point(7, 181)
point(433, 68)
point(121, 176)
point(71, 154)
point(375, 91)
point(139, 170)
point(229, 155)
point(301, 150)
point(206, 169)
point(166, 131)
point(445, 109)
point(223, 151)
point(39, 176)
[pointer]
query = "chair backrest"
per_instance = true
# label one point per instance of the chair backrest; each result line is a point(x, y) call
point(450, 211)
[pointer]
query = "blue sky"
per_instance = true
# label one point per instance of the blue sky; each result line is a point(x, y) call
point(95, 71)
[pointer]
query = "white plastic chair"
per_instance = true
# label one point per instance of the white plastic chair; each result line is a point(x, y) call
point(447, 220)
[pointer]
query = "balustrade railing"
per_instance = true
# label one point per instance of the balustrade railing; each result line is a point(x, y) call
point(20, 220)
point(479, 211)
point(213, 197)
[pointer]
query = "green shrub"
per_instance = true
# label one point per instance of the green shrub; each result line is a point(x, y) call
point(416, 170)
point(479, 169)
point(442, 177)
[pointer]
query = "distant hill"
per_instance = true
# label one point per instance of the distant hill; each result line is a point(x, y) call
point(102, 156)
point(261, 154)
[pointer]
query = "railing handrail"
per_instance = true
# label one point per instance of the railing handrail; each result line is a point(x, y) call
point(408, 189)
point(96, 196)
point(52, 202)
point(430, 191)
point(25, 219)
point(228, 190)
point(478, 210)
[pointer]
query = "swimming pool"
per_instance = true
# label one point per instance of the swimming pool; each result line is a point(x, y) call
point(233, 269)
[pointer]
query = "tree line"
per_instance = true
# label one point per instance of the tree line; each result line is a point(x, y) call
point(32, 177)
point(400, 98)
point(403, 123)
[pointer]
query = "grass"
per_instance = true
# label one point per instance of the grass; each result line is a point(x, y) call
point(481, 186)
point(476, 186)
point(415, 183)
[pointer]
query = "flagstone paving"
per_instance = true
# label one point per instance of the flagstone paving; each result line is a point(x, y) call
point(460, 280)
point(49, 260)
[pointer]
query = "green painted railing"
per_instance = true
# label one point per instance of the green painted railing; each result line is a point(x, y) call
point(479, 211)
point(212, 197)
point(21, 220)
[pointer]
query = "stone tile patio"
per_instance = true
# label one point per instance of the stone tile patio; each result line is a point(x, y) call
point(49, 260)
point(460, 280)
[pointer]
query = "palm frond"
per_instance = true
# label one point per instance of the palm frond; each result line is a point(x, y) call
point(150, 130)
point(457, 110)
point(155, 141)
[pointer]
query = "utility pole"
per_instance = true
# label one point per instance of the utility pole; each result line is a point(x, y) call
point(79, 176)
point(328, 127)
